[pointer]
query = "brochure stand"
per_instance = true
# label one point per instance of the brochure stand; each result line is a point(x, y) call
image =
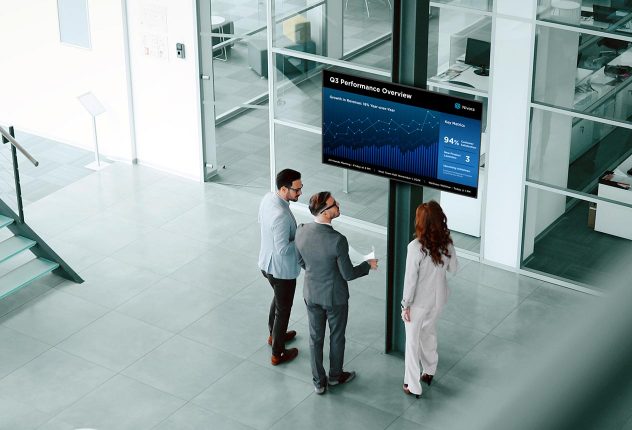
point(94, 107)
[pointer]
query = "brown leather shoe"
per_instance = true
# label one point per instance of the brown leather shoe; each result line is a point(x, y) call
point(288, 337)
point(426, 378)
point(284, 357)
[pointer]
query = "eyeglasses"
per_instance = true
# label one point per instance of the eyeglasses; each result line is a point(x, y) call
point(296, 190)
point(334, 204)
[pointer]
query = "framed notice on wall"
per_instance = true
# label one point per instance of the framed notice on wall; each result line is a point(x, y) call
point(74, 23)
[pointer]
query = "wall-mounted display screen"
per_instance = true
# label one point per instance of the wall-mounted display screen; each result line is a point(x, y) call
point(402, 133)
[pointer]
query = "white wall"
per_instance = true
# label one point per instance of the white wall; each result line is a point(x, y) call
point(166, 88)
point(40, 78)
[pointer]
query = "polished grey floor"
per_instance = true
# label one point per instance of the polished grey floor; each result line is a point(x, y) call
point(59, 165)
point(169, 329)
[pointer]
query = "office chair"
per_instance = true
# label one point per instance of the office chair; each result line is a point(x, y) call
point(614, 44)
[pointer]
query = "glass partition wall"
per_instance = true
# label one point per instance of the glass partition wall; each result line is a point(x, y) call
point(578, 200)
point(348, 36)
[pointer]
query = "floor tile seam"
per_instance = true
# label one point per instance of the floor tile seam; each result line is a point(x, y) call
point(226, 375)
point(49, 291)
point(460, 324)
point(144, 290)
point(84, 269)
point(48, 415)
point(110, 311)
point(48, 236)
point(514, 309)
point(146, 269)
point(178, 331)
point(348, 399)
point(107, 311)
point(96, 249)
point(27, 335)
point(447, 372)
point(187, 403)
point(26, 363)
point(235, 208)
point(556, 305)
point(291, 410)
point(84, 395)
point(158, 345)
point(487, 285)
point(203, 244)
point(98, 387)
point(213, 309)
point(212, 346)
point(205, 345)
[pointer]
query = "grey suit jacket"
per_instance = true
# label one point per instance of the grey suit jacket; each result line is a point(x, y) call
point(324, 254)
point(277, 255)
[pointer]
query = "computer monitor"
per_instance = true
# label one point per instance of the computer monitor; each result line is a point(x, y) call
point(604, 14)
point(624, 5)
point(477, 54)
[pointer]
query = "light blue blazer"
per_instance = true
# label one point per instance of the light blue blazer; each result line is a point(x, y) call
point(277, 255)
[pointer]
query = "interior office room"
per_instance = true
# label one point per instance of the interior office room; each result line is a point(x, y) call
point(202, 103)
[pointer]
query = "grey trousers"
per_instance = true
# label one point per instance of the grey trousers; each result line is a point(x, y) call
point(318, 317)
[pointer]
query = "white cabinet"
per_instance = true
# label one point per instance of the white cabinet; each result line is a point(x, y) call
point(623, 103)
point(612, 218)
point(581, 139)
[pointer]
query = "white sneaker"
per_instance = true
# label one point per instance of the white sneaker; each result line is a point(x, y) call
point(319, 390)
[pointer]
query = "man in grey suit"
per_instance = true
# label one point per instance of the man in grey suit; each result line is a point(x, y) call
point(324, 254)
point(278, 260)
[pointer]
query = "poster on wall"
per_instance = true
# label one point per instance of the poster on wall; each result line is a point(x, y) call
point(401, 133)
point(154, 29)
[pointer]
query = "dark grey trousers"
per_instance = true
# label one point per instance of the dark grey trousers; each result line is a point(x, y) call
point(318, 317)
point(280, 308)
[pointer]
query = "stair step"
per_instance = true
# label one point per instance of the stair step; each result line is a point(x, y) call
point(14, 245)
point(23, 275)
point(5, 221)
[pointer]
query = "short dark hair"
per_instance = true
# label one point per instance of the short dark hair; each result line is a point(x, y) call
point(285, 178)
point(318, 202)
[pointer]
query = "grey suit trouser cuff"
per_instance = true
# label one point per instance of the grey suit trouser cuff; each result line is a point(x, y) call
point(319, 316)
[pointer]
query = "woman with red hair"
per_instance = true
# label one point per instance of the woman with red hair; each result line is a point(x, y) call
point(430, 255)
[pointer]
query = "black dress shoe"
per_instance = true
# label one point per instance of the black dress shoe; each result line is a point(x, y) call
point(288, 337)
point(426, 378)
point(344, 378)
point(407, 391)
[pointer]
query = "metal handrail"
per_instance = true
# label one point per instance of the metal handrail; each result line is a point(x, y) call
point(24, 152)
point(9, 137)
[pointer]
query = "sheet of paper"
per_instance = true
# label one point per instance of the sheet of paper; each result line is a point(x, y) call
point(357, 258)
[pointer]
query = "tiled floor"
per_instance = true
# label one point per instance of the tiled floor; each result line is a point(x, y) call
point(59, 165)
point(169, 329)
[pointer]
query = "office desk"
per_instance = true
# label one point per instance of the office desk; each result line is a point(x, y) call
point(602, 86)
point(611, 218)
point(459, 74)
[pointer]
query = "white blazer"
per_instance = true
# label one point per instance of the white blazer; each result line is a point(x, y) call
point(425, 283)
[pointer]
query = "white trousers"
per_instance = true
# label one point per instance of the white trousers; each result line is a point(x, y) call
point(421, 346)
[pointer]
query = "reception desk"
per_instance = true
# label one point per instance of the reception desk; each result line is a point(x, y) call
point(611, 218)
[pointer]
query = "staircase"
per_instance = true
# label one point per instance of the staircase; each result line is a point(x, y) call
point(24, 256)
point(21, 260)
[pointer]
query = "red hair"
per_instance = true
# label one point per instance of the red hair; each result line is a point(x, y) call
point(431, 230)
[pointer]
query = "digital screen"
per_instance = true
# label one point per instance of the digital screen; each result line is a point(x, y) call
point(401, 133)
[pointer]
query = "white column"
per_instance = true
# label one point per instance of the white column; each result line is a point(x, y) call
point(509, 121)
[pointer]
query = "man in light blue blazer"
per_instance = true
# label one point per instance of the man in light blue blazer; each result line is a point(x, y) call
point(278, 261)
point(324, 254)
